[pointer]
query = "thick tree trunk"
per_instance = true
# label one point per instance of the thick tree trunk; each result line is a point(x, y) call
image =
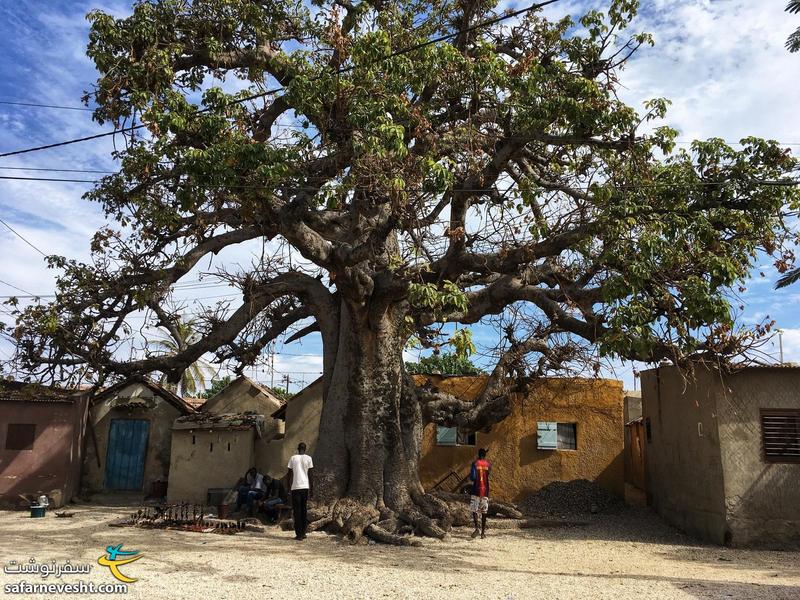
point(367, 456)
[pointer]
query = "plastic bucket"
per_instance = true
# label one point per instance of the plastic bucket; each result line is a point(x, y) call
point(37, 511)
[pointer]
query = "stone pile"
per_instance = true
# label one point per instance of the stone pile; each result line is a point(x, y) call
point(569, 499)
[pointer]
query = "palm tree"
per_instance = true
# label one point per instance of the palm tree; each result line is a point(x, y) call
point(793, 43)
point(794, 275)
point(193, 379)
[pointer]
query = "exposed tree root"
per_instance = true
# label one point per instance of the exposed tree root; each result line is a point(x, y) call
point(431, 515)
point(379, 534)
point(320, 523)
point(496, 508)
point(422, 524)
point(352, 518)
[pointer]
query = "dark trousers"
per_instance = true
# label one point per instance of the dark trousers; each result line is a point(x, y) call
point(300, 511)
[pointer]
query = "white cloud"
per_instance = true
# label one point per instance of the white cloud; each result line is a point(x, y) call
point(723, 64)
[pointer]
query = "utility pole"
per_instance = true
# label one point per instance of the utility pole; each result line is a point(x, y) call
point(272, 363)
point(287, 380)
point(780, 343)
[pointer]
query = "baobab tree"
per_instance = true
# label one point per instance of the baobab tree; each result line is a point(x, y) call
point(432, 163)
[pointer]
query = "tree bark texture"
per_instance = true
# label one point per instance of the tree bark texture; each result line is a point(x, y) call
point(370, 435)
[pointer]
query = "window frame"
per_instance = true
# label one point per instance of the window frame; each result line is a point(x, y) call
point(28, 448)
point(557, 447)
point(574, 426)
point(783, 412)
point(460, 435)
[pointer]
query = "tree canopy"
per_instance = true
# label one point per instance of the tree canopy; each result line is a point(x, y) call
point(495, 168)
point(217, 385)
point(406, 166)
point(447, 363)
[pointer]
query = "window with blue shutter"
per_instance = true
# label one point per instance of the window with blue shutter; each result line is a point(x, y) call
point(547, 435)
point(446, 436)
point(551, 435)
point(453, 436)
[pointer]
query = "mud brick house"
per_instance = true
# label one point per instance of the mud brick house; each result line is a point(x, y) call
point(41, 435)
point(129, 438)
point(563, 429)
point(723, 452)
point(560, 430)
point(213, 448)
point(211, 452)
point(301, 415)
point(240, 396)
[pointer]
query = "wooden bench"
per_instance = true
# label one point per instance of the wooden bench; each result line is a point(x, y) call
point(284, 510)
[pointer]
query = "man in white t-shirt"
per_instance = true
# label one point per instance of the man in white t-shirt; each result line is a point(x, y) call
point(302, 482)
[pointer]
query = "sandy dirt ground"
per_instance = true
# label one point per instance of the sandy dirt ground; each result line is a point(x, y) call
point(627, 555)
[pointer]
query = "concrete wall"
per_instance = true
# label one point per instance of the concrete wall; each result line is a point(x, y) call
point(684, 464)
point(519, 468)
point(53, 466)
point(135, 401)
point(762, 499)
point(196, 466)
point(633, 405)
point(302, 425)
point(243, 395)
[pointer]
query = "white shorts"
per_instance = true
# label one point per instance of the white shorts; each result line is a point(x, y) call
point(479, 504)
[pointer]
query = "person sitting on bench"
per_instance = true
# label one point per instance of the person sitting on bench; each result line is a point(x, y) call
point(251, 488)
point(276, 495)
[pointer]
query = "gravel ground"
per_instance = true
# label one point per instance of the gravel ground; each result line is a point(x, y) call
point(628, 554)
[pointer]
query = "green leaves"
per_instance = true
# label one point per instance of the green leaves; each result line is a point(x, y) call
point(446, 363)
point(461, 341)
point(444, 299)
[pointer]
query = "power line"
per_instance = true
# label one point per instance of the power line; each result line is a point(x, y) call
point(17, 288)
point(632, 186)
point(20, 236)
point(275, 126)
point(18, 178)
point(57, 170)
point(400, 52)
point(36, 105)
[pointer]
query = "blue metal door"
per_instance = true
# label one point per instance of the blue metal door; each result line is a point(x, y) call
point(127, 446)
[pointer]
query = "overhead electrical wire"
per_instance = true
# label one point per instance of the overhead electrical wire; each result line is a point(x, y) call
point(16, 288)
point(340, 71)
point(37, 105)
point(20, 236)
point(775, 182)
point(57, 170)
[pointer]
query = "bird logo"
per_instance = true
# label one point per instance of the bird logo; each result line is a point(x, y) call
point(116, 557)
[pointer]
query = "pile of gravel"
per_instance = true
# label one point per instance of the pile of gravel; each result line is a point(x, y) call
point(570, 499)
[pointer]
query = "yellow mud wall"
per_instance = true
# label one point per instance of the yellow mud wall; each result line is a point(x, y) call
point(519, 468)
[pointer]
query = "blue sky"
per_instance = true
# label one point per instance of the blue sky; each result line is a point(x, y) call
point(722, 63)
